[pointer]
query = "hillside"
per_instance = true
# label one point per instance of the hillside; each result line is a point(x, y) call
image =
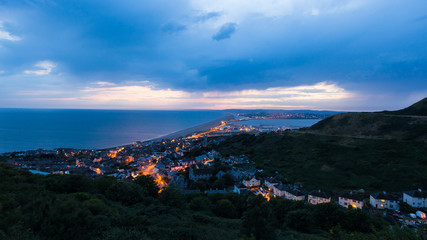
point(335, 163)
point(371, 151)
point(416, 109)
point(408, 124)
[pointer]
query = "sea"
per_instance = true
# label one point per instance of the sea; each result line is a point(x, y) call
point(31, 129)
point(279, 123)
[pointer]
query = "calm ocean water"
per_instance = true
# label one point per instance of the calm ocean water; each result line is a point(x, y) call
point(279, 123)
point(26, 129)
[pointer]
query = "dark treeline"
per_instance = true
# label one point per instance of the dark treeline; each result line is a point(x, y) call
point(77, 207)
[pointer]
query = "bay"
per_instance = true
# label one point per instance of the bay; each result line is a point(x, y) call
point(29, 129)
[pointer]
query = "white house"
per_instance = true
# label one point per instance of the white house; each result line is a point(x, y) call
point(416, 198)
point(279, 190)
point(350, 199)
point(383, 200)
point(252, 182)
point(270, 183)
point(318, 197)
point(294, 194)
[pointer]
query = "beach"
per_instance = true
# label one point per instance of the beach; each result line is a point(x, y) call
point(196, 129)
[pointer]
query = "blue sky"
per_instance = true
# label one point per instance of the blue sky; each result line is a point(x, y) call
point(357, 55)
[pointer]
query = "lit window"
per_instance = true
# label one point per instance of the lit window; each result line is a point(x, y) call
point(382, 200)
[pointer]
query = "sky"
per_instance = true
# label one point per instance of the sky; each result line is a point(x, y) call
point(345, 55)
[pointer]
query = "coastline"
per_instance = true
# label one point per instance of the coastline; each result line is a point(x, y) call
point(196, 129)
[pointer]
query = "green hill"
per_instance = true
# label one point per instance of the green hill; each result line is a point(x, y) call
point(371, 151)
point(335, 163)
point(408, 124)
point(416, 109)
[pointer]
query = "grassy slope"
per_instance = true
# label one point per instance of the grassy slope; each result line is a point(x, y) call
point(336, 163)
point(418, 109)
point(409, 124)
point(373, 125)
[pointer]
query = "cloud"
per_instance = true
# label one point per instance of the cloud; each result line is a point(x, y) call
point(280, 43)
point(225, 31)
point(207, 16)
point(278, 97)
point(4, 35)
point(143, 95)
point(105, 83)
point(238, 10)
point(316, 92)
point(46, 68)
point(173, 28)
point(131, 94)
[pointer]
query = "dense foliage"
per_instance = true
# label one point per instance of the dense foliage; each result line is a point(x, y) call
point(76, 207)
point(335, 162)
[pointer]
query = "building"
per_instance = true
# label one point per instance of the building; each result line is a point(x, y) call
point(203, 173)
point(350, 199)
point(294, 194)
point(279, 190)
point(383, 200)
point(220, 174)
point(240, 189)
point(216, 191)
point(270, 182)
point(318, 197)
point(416, 198)
point(237, 175)
point(252, 182)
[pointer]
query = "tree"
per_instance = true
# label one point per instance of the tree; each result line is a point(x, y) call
point(201, 203)
point(148, 185)
point(126, 193)
point(219, 184)
point(172, 197)
point(225, 208)
point(104, 182)
point(228, 179)
point(256, 219)
point(327, 215)
point(300, 220)
point(357, 221)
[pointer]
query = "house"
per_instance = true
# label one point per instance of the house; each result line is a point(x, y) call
point(416, 198)
point(178, 181)
point(220, 174)
point(202, 173)
point(237, 175)
point(318, 197)
point(216, 191)
point(383, 200)
point(240, 189)
point(279, 190)
point(202, 158)
point(350, 199)
point(294, 194)
point(270, 182)
point(252, 182)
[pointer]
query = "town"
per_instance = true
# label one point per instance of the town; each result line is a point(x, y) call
point(191, 165)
